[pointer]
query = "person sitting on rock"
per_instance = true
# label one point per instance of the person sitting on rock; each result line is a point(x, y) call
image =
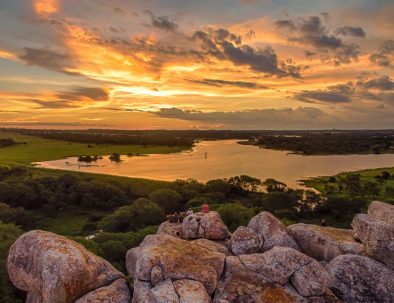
point(205, 208)
point(189, 211)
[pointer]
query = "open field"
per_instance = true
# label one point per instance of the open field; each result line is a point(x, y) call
point(338, 184)
point(39, 149)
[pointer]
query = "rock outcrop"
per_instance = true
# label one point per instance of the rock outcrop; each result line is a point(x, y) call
point(376, 232)
point(54, 269)
point(204, 225)
point(244, 241)
point(176, 259)
point(325, 243)
point(271, 232)
point(361, 279)
point(265, 262)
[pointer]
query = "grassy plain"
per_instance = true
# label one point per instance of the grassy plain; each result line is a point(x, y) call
point(39, 149)
point(323, 184)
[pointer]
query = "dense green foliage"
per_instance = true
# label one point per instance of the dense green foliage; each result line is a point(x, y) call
point(8, 234)
point(330, 143)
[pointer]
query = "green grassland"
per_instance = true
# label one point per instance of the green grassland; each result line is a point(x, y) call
point(39, 149)
point(333, 184)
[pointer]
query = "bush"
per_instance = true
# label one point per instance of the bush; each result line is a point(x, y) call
point(167, 199)
point(8, 293)
point(275, 201)
point(130, 218)
point(235, 215)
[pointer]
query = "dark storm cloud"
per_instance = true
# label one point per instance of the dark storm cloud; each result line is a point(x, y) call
point(312, 32)
point(385, 55)
point(219, 83)
point(383, 83)
point(351, 31)
point(162, 22)
point(378, 88)
point(249, 118)
point(225, 45)
point(47, 59)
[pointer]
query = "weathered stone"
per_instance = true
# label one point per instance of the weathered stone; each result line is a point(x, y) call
point(325, 243)
point(54, 269)
point(164, 292)
point(167, 228)
point(244, 241)
point(271, 231)
point(257, 276)
point(191, 292)
point(156, 275)
point(359, 279)
point(117, 292)
point(142, 293)
point(204, 225)
point(311, 279)
point(213, 246)
point(178, 259)
point(278, 264)
point(377, 237)
point(382, 212)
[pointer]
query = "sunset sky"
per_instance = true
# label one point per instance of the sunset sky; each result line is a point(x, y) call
point(181, 64)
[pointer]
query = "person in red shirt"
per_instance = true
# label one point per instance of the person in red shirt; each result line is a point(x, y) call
point(205, 208)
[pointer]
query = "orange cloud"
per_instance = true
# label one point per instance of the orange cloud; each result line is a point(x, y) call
point(46, 7)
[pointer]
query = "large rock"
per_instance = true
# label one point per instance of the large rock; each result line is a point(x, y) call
point(382, 212)
point(325, 243)
point(271, 231)
point(191, 292)
point(359, 279)
point(204, 225)
point(257, 276)
point(164, 292)
point(177, 258)
point(377, 237)
point(244, 241)
point(54, 269)
point(213, 246)
point(167, 228)
point(117, 292)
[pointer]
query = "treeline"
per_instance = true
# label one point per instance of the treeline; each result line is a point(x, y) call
point(328, 143)
point(7, 142)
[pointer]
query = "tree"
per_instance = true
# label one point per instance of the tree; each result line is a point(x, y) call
point(372, 189)
point(167, 199)
point(235, 214)
point(245, 183)
point(115, 157)
point(271, 185)
point(142, 212)
point(8, 234)
point(274, 201)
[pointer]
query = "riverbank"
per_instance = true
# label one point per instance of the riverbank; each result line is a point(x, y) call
point(379, 182)
point(39, 149)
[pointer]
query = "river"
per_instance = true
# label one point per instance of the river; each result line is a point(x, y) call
point(226, 158)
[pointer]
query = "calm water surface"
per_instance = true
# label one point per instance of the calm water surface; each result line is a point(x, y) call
point(226, 158)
